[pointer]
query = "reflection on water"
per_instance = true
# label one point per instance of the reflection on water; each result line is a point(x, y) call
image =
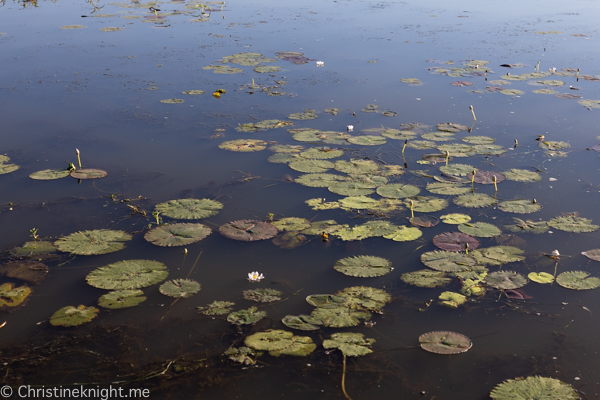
point(98, 85)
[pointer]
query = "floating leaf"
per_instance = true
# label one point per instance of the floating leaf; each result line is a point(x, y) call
point(458, 169)
point(322, 153)
point(307, 114)
point(310, 165)
point(246, 317)
point(424, 221)
point(194, 92)
point(528, 226)
point(474, 200)
point(452, 299)
point(99, 241)
point(399, 135)
point(279, 342)
point(282, 158)
point(263, 295)
point(544, 91)
point(534, 387)
point(287, 148)
point(73, 27)
point(128, 274)
point(364, 298)
point(519, 206)
point(447, 261)
point(411, 81)
point(189, 208)
point(338, 317)
point(13, 297)
point(512, 92)
point(73, 316)
point(486, 177)
point(29, 271)
point(320, 204)
point(262, 125)
point(88, 173)
point(301, 322)
point(180, 288)
point(261, 69)
point(478, 139)
point(489, 149)
point(318, 227)
point(445, 342)
point(404, 234)
point(217, 308)
point(522, 175)
point(367, 140)
point(121, 299)
point(473, 287)
point(457, 150)
point(504, 254)
point(506, 280)
point(455, 241)
point(49, 174)
point(479, 229)
point(243, 355)
point(572, 223)
point(356, 166)
point(421, 144)
point(349, 343)
point(320, 180)
point(371, 108)
point(461, 83)
point(248, 230)
point(350, 188)
point(244, 145)
point(553, 145)
point(541, 277)
point(397, 190)
point(289, 240)
point(223, 69)
point(358, 202)
point(447, 188)
point(172, 101)
point(425, 278)
point(439, 136)
point(363, 266)
point(590, 103)
point(577, 280)
point(177, 234)
point(455, 219)
point(426, 203)
point(292, 224)
point(593, 254)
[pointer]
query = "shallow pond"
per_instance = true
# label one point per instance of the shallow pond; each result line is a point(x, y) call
point(518, 82)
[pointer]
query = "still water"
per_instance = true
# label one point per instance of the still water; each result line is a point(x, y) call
point(99, 90)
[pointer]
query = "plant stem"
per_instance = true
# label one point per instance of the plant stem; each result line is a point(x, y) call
point(403, 147)
point(194, 266)
point(473, 111)
point(344, 379)
point(411, 209)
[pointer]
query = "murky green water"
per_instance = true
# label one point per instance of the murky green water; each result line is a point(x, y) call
point(101, 92)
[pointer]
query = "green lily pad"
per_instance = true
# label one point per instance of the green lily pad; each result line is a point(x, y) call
point(458, 169)
point(307, 114)
point(474, 200)
point(457, 149)
point(217, 308)
point(263, 295)
point(279, 342)
point(455, 241)
point(473, 287)
point(301, 322)
point(320, 180)
point(363, 266)
point(364, 298)
point(544, 91)
point(246, 317)
point(318, 227)
point(421, 144)
point(121, 299)
point(439, 136)
point(321, 204)
point(292, 224)
point(262, 125)
point(289, 240)
point(590, 103)
point(541, 277)
point(447, 188)
point(350, 188)
point(12, 297)
point(73, 27)
point(244, 145)
point(447, 261)
point(375, 180)
point(504, 254)
point(180, 288)
point(445, 342)
point(398, 134)
point(262, 69)
point(73, 316)
point(426, 203)
point(356, 166)
point(552, 82)
point(411, 81)
point(358, 202)
point(49, 174)
point(593, 254)
point(367, 140)
point(243, 355)
point(478, 140)
point(128, 274)
point(506, 280)
point(486, 177)
point(282, 158)
point(455, 219)
point(223, 69)
point(30, 271)
point(194, 92)
point(349, 343)
point(322, 153)
point(479, 229)
point(512, 92)
point(528, 226)
point(98, 241)
point(172, 101)
point(373, 108)
point(88, 173)
point(287, 148)
point(189, 208)
point(452, 299)
point(397, 190)
point(332, 111)
point(177, 234)
point(577, 280)
point(482, 259)
point(573, 223)
point(367, 230)
point(310, 165)
point(248, 230)
point(534, 387)
point(326, 300)
point(519, 206)
point(425, 278)
point(338, 317)
point(452, 127)
point(404, 234)
point(35, 247)
point(553, 145)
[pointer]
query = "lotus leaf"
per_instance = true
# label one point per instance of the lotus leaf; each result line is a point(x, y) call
point(320, 180)
point(322, 153)
point(399, 135)
point(318, 227)
point(287, 148)
point(351, 188)
point(512, 92)
point(397, 190)
point(528, 226)
point(279, 342)
point(572, 223)
point(447, 261)
point(29, 271)
point(320, 204)
point(248, 230)
point(364, 298)
point(338, 317)
point(99, 241)
point(458, 169)
point(349, 343)
point(506, 280)
point(49, 174)
point(457, 150)
point(128, 274)
point(73, 316)
point(404, 234)
point(452, 299)
point(217, 308)
point(577, 280)
point(541, 277)
point(13, 297)
point(177, 234)
point(292, 224)
point(358, 202)
point(244, 145)
point(356, 166)
point(88, 173)
point(455, 219)
point(426, 203)
point(447, 188)
point(121, 299)
point(478, 140)
point(425, 278)
point(307, 114)
point(421, 144)
point(367, 140)
point(189, 208)
point(246, 317)
point(363, 266)
point(534, 387)
point(445, 342)
point(474, 200)
point(593, 254)
point(553, 145)
point(301, 322)
point(243, 355)
point(455, 241)
point(289, 240)
point(479, 229)
point(439, 136)
point(519, 206)
point(262, 295)
point(452, 127)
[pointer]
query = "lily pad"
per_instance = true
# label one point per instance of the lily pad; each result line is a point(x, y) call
point(244, 145)
point(263, 295)
point(398, 134)
point(248, 230)
point(452, 299)
point(458, 169)
point(310, 165)
point(11, 297)
point(307, 114)
point(411, 81)
point(445, 342)
point(512, 92)
point(519, 206)
point(338, 317)
point(504, 254)
point(356, 166)
point(121, 299)
point(99, 241)
point(577, 280)
point(318, 227)
point(320, 204)
point(424, 221)
point(541, 277)
point(172, 101)
point(282, 158)
point(457, 149)
point(33, 272)
point(349, 343)
point(243, 355)
point(474, 200)
point(217, 308)
point(35, 248)
point(194, 92)
point(404, 234)
point(364, 298)
point(279, 342)
point(397, 190)
point(350, 188)
point(320, 180)
point(177, 234)
point(455, 219)
point(223, 69)
point(289, 240)
point(426, 203)
point(447, 261)
point(421, 144)
point(534, 387)
point(506, 280)
point(287, 148)
point(439, 136)
point(447, 188)
point(301, 322)
point(128, 274)
point(486, 177)
point(50, 174)
point(322, 153)
point(8, 168)
point(425, 278)
point(478, 140)
point(180, 288)
point(88, 173)
point(358, 202)
point(522, 175)
point(363, 266)
point(573, 223)
point(455, 241)
point(292, 224)
point(452, 127)
point(590, 103)
point(367, 140)
point(553, 145)
point(544, 91)
point(479, 229)
point(372, 108)
point(528, 226)
point(189, 208)
point(593, 254)
point(246, 317)
point(73, 316)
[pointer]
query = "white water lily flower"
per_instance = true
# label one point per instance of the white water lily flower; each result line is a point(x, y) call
point(255, 276)
point(555, 253)
point(320, 63)
point(350, 128)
